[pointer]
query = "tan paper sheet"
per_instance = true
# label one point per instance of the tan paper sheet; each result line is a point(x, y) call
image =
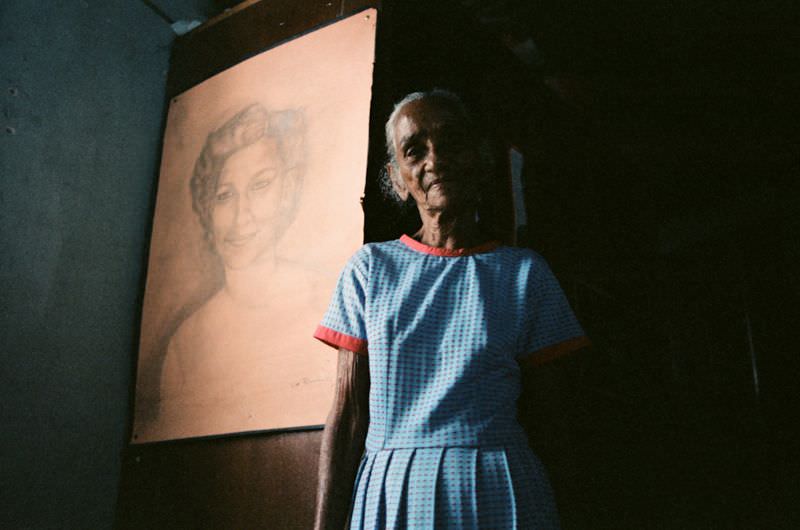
point(257, 211)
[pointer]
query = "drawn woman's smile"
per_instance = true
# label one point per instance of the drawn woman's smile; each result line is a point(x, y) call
point(239, 241)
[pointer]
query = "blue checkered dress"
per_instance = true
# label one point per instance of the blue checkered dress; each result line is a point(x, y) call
point(445, 331)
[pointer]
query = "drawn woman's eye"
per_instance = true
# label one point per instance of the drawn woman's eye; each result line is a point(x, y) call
point(223, 195)
point(262, 180)
point(260, 184)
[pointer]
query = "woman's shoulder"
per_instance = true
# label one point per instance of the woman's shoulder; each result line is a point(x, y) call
point(376, 250)
point(519, 255)
point(192, 334)
point(360, 262)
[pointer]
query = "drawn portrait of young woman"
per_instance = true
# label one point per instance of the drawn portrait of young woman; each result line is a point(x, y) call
point(245, 188)
point(258, 204)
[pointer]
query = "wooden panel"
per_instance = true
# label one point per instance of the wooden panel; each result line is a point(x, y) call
point(228, 40)
point(263, 481)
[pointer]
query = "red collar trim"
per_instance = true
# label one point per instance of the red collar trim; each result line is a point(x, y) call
point(447, 252)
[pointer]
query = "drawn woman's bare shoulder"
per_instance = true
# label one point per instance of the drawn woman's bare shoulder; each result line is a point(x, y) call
point(194, 334)
point(189, 347)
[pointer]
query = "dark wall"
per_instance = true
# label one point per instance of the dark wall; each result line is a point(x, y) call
point(81, 93)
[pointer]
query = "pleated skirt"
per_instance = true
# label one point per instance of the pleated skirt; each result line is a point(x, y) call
point(490, 488)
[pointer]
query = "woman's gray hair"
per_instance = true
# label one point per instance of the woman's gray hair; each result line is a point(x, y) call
point(455, 102)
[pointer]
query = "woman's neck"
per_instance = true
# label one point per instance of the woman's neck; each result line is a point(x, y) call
point(252, 286)
point(450, 232)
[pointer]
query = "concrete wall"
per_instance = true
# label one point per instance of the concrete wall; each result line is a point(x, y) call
point(81, 93)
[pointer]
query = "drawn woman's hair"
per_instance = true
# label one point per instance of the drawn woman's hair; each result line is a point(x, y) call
point(248, 126)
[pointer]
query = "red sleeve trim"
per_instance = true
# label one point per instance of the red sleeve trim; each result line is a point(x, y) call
point(557, 350)
point(340, 340)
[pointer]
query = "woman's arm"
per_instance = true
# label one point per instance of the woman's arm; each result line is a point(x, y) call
point(548, 403)
point(343, 441)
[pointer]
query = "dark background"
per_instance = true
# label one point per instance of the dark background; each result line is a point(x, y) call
point(662, 155)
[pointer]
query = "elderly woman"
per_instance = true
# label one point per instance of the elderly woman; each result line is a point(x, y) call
point(432, 331)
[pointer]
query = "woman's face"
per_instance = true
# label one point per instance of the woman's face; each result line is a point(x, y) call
point(437, 157)
point(246, 205)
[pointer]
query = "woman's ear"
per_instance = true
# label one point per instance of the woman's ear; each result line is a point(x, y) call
point(398, 184)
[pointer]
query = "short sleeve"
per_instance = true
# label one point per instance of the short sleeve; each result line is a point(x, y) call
point(550, 327)
point(343, 324)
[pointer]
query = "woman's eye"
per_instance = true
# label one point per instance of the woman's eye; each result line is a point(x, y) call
point(260, 184)
point(223, 196)
point(262, 180)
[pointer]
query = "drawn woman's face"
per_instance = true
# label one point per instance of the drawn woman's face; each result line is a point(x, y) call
point(246, 205)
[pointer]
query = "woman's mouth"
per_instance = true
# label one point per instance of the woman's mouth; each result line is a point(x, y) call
point(239, 240)
point(440, 182)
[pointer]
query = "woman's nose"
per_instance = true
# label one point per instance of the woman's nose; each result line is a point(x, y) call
point(244, 212)
point(437, 158)
point(431, 157)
